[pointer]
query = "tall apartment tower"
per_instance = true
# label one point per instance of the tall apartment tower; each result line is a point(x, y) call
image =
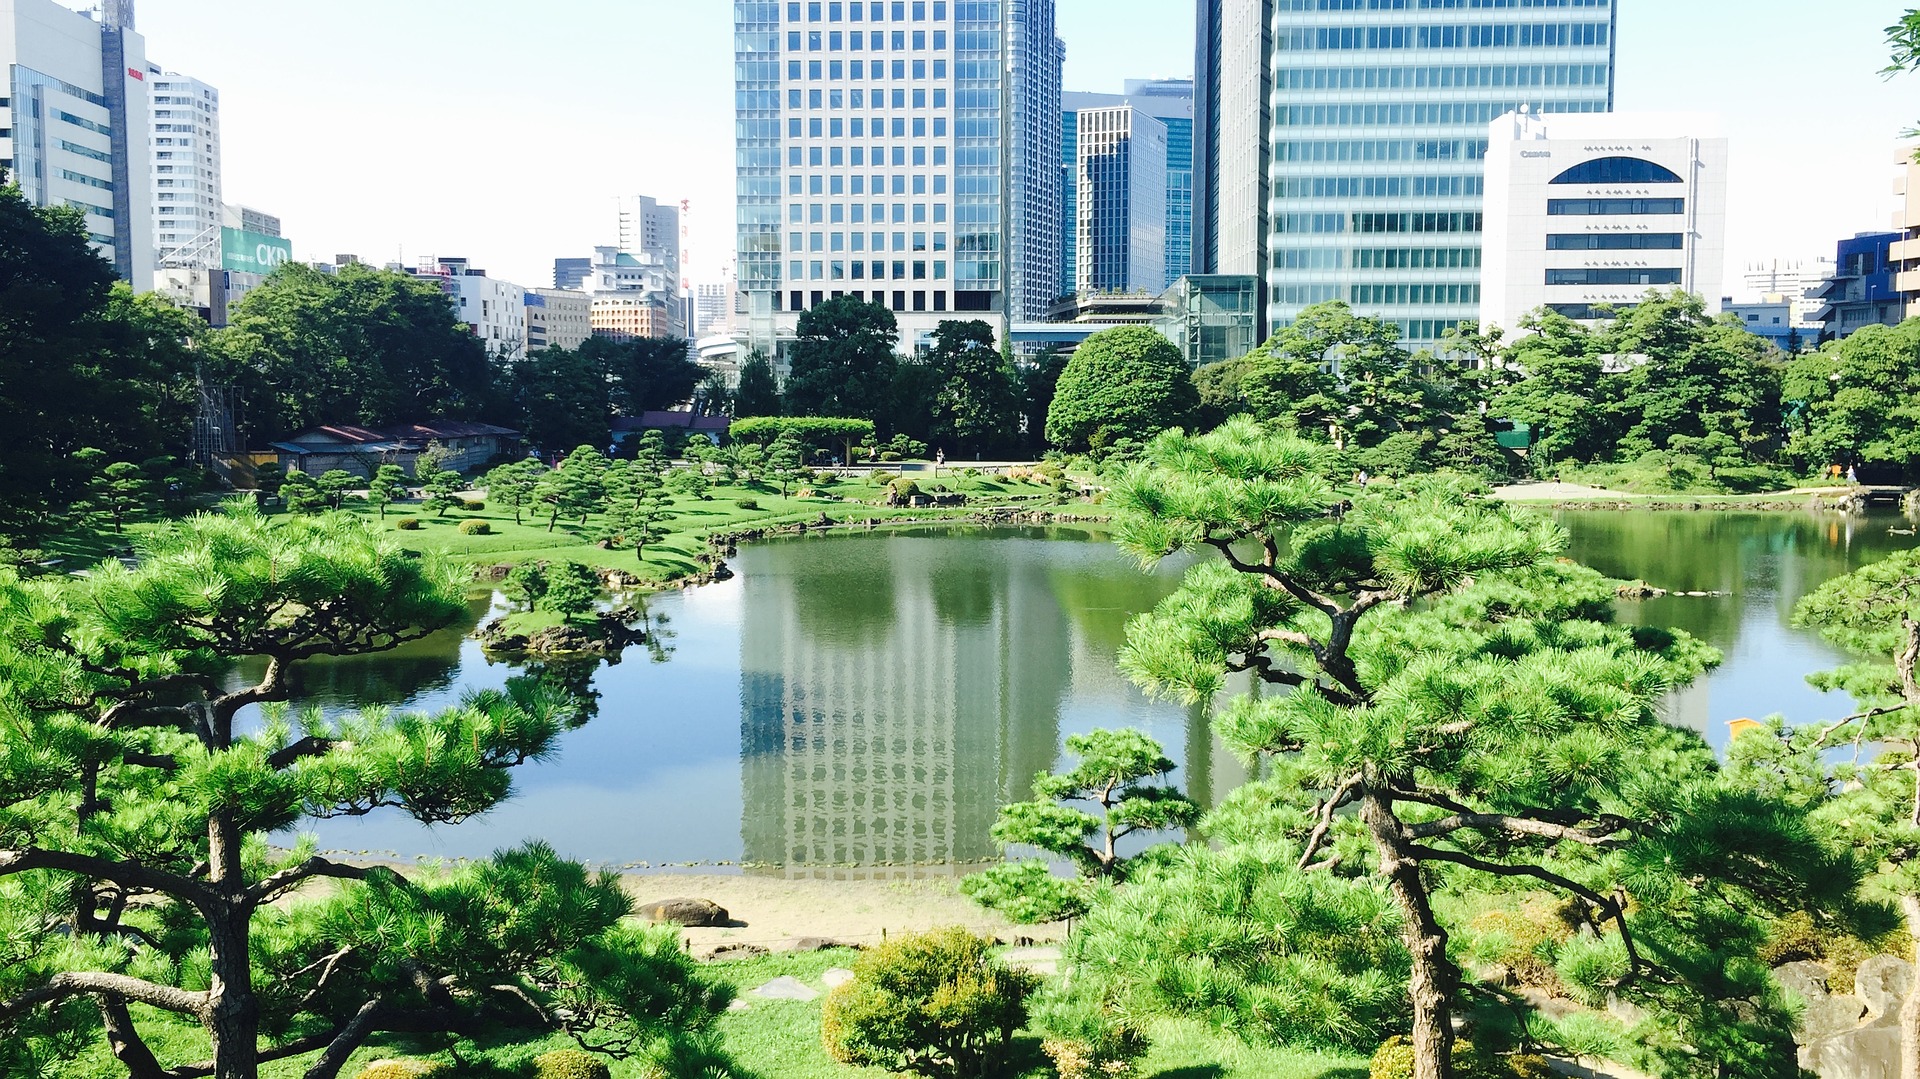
point(74, 129)
point(648, 227)
point(1121, 231)
point(1905, 252)
point(188, 210)
point(1169, 101)
point(901, 151)
point(1379, 128)
point(1233, 87)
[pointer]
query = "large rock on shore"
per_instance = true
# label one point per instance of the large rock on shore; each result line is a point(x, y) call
point(686, 912)
point(1851, 1035)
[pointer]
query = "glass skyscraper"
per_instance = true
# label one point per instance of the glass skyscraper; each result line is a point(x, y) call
point(1378, 129)
point(899, 151)
point(1169, 101)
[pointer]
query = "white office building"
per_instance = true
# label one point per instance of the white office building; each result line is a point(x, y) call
point(188, 209)
point(495, 310)
point(558, 318)
point(73, 127)
point(1589, 212)
point(1121, 225)
point(905, 152)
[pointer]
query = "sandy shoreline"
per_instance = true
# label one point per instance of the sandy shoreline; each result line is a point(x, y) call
point(777, 912)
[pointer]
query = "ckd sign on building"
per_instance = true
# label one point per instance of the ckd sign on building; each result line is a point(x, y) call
point(252, 252)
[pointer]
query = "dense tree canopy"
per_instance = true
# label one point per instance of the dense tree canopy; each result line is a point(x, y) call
point(759, 391)
point(134, 801)
point(355, 346)
point(1467, 698)
point(1124, 383)
point(84, 364)
point(842, 361)
point(974, 402)
point(1856, 402)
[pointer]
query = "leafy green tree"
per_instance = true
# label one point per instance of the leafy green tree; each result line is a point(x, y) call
point(1127, 382)
point(572, 590)
point(1468, 699)
point(1294, 958)
point(1856, 402)
point(1870, 801)
point(786, 461)
point(691, 482)
point(121, 491)
point(302, 494)
point(357, 346)
point(443, 491)
point(576, 488)
point(812, 432)
point(1111, 775)
point(975, 406)
point(713, 397)
point(83, 363)
point(526, 584)
point(1560, 396)
point(759, 391)
point(638, 502)
point(512, 486)
point(1700, 377)
point(128, 773)
point(1904, 36)
point(268, 477)
point(644, 373)
point(389, 486)
point(842, 360)
point(336, 486)
point(937, 1004)
point(561, 397)
point(750, 460)
point(1035, 384)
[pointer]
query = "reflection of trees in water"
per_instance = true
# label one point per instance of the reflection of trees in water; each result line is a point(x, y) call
point(573, 677)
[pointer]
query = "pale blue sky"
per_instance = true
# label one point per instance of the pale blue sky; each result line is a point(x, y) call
point(502, 130)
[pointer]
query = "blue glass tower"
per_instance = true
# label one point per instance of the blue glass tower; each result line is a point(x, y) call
point(1378, 130)
point(1171, 102)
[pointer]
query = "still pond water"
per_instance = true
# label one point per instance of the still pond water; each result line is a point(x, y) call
point(862, 705)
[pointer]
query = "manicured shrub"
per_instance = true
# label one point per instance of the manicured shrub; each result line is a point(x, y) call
point(747, 503)
point(889, 455)
point(938, 1003)
point(473, 505)
point(408, 524)
point(403, 1069)
point(570, 1064)
point(1525, 942)
point(904, 488)
point(475, 528)
point(1085, 1037)
point(1394, 1060)
point(882, 478)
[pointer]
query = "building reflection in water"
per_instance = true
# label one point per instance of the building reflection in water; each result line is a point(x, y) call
point(888, 706)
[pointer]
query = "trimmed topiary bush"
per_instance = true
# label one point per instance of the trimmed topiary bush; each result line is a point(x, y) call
point(404, 1069)
point(408, 524)
point(746, 503)
point(475, 528)
point(570, 1064)
point(473, 505)
point(1394, 1060)
point(938, 1003)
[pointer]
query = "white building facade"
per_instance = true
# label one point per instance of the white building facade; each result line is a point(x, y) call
point(902, 152)
point(1121, 224)
point(188, 209)
point(495, 310)
point(1586, 213)
point(74, 129)
point(558, 318)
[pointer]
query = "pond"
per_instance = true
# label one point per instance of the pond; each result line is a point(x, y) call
point(861, 705)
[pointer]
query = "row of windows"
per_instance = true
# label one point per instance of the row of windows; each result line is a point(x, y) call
point(85, 151)
point(1478, 112)
point(1618, 170)
point(841, 241)
point(88, 124)
point(902, 211)
point(1416, 258)
point(1427, 5)
point(1378, 222)
point(876, 41)
point(840, 270)
point(858, 69)
point(1523, 35)
point(857, 185)
point(1614, 207)
point(1587, 311)
point(88, 207)
point(856, 127)
point(1614, 277)
point(1378, 187)
point(962, 301)
point(1387, 78)
point(1414, 294)
point(856, 98)
point(1381, 150)
point(857, 156)
point(82, 178)
point(855, 10)
point(1614, 241)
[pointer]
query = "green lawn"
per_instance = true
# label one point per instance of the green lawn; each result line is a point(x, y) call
point(777, 1040)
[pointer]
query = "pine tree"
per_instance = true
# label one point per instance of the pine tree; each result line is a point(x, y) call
point(389, 486)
